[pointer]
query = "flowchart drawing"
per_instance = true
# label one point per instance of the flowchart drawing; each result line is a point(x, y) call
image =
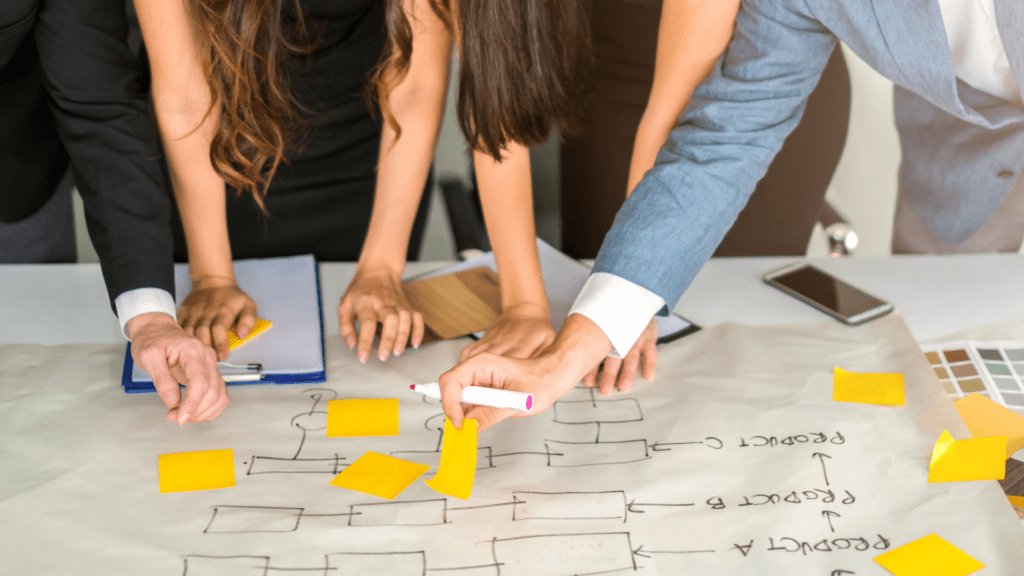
point(735, 460)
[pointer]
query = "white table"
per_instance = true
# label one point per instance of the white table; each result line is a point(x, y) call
point(937, 295)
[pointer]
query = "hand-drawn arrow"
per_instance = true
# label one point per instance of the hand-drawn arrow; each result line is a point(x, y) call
point(637, 552)
point(829, 515)
point(822, 457)
point(656, 444)
point(633, 503)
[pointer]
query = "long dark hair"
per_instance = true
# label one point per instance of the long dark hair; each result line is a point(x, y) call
point(522, 67)
point(248, 49)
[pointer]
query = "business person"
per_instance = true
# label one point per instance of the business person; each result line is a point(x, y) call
point(73, 54)
point(269, 142)
point(961, 125)
point(645, 73)
point(232, 100)
point(520, 75)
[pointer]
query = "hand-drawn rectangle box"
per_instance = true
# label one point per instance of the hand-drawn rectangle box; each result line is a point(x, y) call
point(365, 563)
point(598, 411)
point(569, 454)
point(414, 513)
point(269, 465)
point(564, 554)
point(242, 519)
point(226, 565)
point(569, 505)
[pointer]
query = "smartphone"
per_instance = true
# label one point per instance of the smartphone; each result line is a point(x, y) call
point(828, 293)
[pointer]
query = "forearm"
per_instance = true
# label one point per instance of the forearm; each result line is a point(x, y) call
point(198, 190)
point(579, 346)
point(692, 35)
point(506, 195)
point(402, 172)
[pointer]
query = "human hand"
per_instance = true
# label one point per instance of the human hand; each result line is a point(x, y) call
point(535, 376)
point(171, 356)
point(579, 345)
point(214, 306)
point(625, 369)
point(374, 297)
point(520, 332)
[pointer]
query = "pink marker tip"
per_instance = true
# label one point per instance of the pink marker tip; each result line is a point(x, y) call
point(529, 402)
point(412, 386)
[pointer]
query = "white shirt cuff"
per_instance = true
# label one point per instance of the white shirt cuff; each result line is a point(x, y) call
point(141, 301)
point(619, 307)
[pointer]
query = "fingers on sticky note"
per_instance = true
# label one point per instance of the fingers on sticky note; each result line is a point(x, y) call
point(868, 388)
point(362, 417)
point(379, 475)
point(930, 555)
point(457, 469)
point(966, 460)
point(986, 418)
point(261, 326)
point(205, 470)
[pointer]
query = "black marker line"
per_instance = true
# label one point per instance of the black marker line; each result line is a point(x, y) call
point(822, 457)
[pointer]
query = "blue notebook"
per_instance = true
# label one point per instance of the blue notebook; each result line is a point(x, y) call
point(287, 293)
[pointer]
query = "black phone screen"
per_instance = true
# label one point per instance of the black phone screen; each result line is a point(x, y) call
point(830, 292)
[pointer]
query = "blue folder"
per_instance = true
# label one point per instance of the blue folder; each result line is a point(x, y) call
point(287, 293)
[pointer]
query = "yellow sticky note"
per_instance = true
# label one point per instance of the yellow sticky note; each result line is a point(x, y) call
point(965, 460)
point(458, 461)
point(929, 556)
point(986, 418)
point(261, 326)
point(379, 475)
point(205, 470)
point(362, 417)
point(867, 388)
point(1016, 501)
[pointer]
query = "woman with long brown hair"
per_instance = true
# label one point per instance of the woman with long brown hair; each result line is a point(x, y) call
point(266, 97)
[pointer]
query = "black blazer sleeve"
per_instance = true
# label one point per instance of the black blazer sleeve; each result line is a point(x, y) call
point(104, 119)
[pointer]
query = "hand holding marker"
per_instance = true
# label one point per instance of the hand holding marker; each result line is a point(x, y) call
point(483, 396)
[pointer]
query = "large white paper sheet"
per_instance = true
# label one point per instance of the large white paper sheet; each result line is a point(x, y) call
point(716, 468)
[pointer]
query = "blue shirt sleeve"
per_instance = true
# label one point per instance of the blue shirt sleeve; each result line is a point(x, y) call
point(736, 122)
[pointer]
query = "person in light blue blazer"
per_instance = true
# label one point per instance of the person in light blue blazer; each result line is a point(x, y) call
point(961, 124)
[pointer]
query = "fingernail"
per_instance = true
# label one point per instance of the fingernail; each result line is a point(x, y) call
point(364, 356)
point(351, 343)
point(416, 345)
point(183, 419)
point(399, 351)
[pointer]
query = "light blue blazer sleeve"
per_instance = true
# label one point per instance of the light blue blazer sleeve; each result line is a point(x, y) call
point(735, 124)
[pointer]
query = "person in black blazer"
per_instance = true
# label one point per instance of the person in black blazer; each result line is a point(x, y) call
point(74, 52)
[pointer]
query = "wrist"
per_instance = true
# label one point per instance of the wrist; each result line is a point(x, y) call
point(148, 320)
point(526, 309)
point(204, 281)
point(378, 267)
point(579, 346)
